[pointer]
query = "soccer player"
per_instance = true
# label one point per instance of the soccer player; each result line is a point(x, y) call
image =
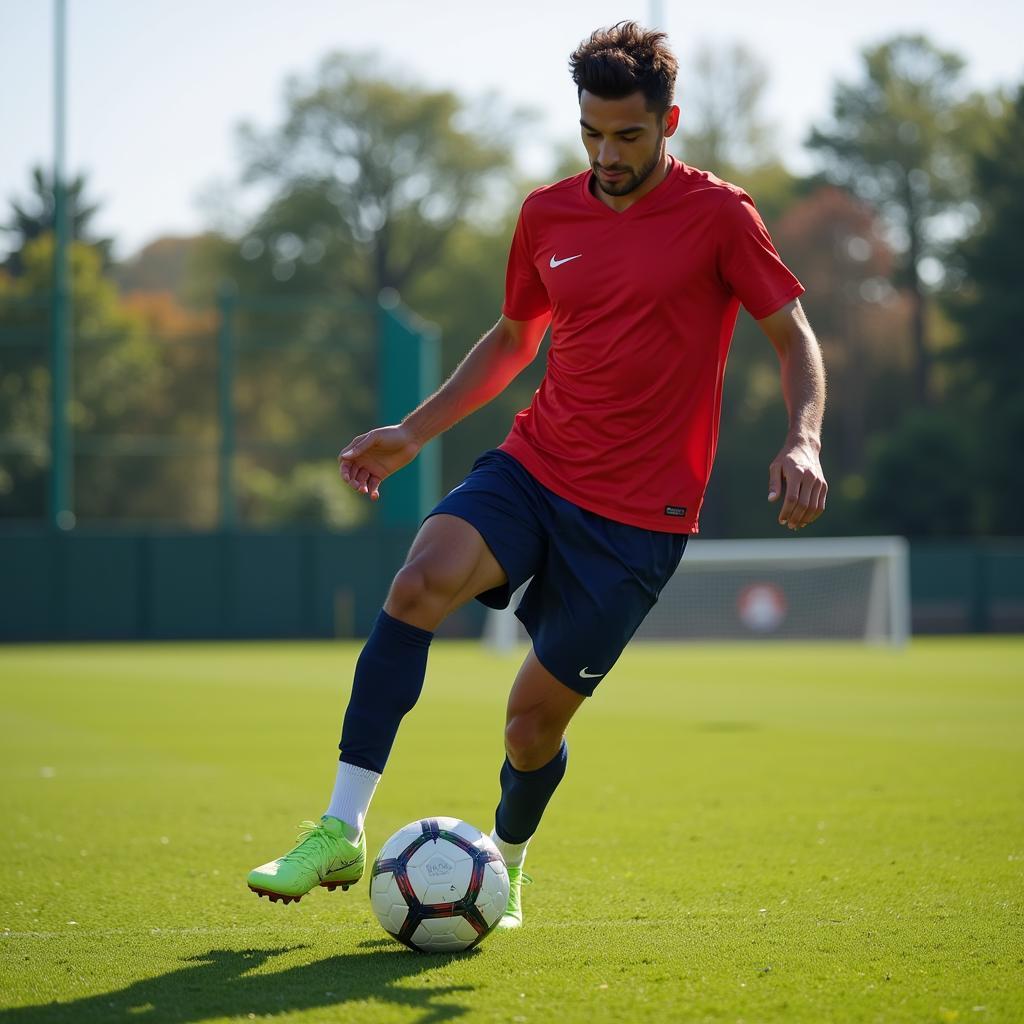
point(639, 265)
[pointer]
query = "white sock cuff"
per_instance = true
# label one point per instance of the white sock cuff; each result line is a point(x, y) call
point(353, 791)
point(512, 853)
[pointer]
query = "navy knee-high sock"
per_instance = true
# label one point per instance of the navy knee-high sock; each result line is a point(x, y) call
point(524, 795)
point(388, 680)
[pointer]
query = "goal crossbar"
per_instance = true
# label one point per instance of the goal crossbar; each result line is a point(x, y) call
point(812, 588)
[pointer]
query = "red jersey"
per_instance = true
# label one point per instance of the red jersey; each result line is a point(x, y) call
point(643, 305)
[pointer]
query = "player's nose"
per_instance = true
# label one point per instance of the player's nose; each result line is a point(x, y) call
point(607, 155)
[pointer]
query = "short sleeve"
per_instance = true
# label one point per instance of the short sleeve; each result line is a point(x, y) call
point(748, 263)
point(525, 295)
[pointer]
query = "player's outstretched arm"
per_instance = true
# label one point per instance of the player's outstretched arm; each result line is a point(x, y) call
point(488, 368)
point(798, 464)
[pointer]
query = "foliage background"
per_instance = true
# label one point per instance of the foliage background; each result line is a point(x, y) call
point(906, 236)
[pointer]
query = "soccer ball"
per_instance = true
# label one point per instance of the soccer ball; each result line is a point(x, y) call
point(439, 885)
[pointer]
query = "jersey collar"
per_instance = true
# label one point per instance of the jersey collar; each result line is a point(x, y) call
point(653, 198)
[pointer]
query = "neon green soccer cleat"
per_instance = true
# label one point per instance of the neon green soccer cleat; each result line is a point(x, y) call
point(323, 857)
point(513, 916)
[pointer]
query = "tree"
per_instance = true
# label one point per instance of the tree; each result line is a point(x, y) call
point(990, 312)
point(374, 183)
point(36, 217)
point(115, 387)
point(722, 128)
point(310, 493)
point(836, 245)
point(373, 170)
point(897, 139)
point(922, 476)
point(163, 265)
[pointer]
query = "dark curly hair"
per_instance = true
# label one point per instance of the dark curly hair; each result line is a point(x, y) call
point(615, 62)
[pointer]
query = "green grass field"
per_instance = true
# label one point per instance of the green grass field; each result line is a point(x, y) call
point(748, 834)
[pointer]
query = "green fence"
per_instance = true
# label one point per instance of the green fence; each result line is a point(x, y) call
point(967, 587)
point(93, 585)
point(180, 428)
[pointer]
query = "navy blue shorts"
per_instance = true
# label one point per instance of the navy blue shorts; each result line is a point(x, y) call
point(594, 579)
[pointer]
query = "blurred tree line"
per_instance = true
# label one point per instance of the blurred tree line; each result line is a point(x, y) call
point(906, 239)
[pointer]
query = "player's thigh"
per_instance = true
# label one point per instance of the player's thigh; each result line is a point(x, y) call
point(448, 563)
point(598, 584)
point(539, 709)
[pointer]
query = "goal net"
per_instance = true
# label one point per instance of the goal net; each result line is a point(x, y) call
point(844, 588)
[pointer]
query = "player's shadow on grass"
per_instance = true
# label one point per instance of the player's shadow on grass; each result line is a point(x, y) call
point(218, 984)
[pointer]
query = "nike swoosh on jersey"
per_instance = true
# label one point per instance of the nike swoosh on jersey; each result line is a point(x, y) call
point(557, 263)
point(584, 674)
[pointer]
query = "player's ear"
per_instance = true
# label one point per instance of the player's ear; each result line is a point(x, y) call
point(671, 121)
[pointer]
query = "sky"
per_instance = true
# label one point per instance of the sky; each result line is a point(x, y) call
point(156, 88)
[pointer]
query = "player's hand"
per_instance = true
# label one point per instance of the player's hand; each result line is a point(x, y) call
point(370, 457)
point(798, 467)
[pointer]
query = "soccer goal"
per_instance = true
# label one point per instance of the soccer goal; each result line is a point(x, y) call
point(807, 588)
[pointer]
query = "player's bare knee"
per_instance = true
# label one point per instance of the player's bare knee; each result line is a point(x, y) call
point(530, 742)
point(417, 596)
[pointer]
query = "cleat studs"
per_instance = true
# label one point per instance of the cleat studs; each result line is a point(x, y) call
point(286, 898)
point(276, 897)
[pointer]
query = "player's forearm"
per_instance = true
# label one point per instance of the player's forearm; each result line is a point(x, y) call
point(803, 386)
point(487, 369)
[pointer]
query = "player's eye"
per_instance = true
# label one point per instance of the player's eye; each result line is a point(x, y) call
point(629, 138)
point(592, 135)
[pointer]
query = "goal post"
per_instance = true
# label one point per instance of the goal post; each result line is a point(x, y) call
point(806, 588)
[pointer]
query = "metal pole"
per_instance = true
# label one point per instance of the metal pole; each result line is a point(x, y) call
point(226, 407)
point(61, 466)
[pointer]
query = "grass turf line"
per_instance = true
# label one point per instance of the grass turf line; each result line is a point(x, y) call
point(757, 833)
